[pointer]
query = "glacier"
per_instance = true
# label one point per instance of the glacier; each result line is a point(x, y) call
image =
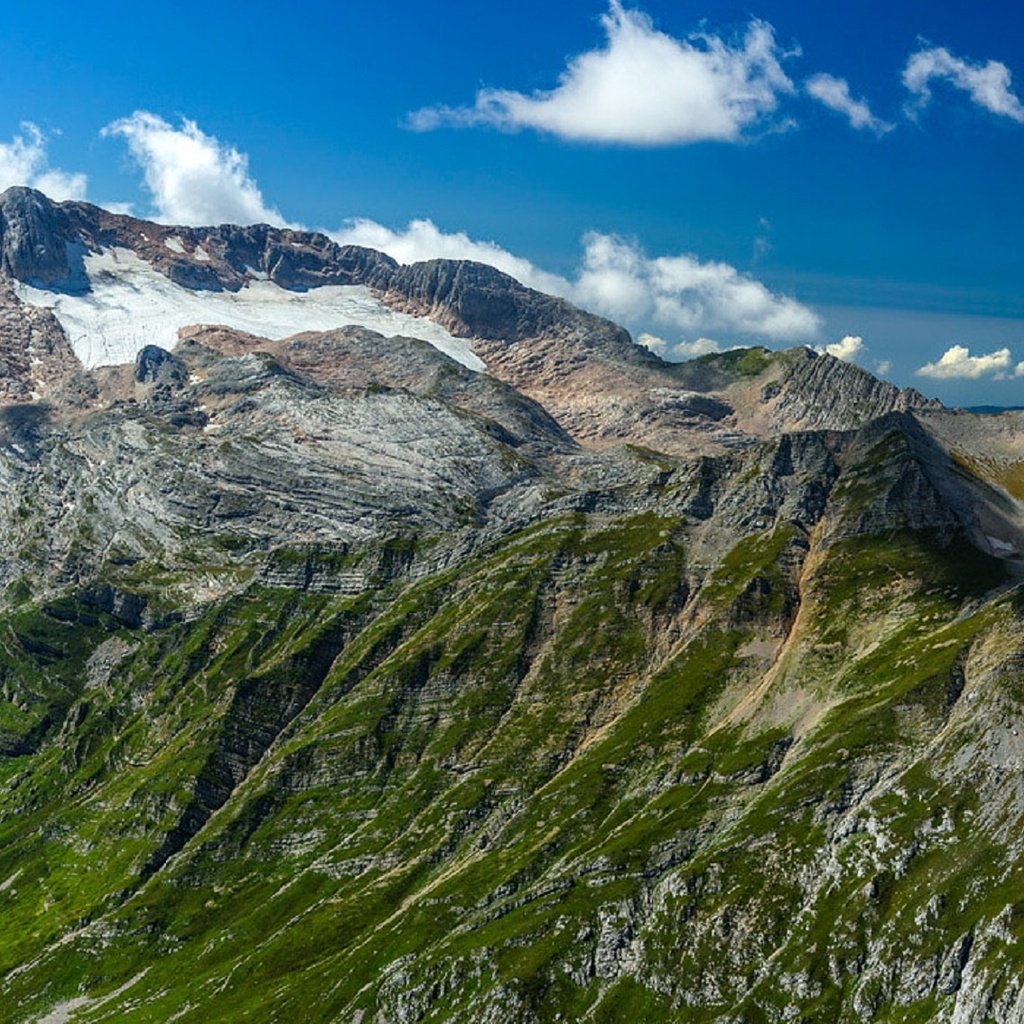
point(128, 304)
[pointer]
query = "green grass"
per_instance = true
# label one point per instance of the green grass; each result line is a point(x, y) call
point(452, 794)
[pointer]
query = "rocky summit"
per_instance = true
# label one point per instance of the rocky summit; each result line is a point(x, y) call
point(384, 644)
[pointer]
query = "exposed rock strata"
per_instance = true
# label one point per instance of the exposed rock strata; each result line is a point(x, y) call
point(328, 658)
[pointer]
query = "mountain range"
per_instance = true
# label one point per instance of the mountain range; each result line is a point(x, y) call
point(394, 643)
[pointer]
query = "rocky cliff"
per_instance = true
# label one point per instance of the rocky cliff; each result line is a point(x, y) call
point(342, 681)
point(586, 372)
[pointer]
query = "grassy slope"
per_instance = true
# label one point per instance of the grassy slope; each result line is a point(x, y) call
point(521, 789)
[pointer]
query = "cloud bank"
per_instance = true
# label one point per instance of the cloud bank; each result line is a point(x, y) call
point(23, 161)
point(617, 279)
point(642, 88)
point(834, 93)
point(988, 84)
point(193, 177)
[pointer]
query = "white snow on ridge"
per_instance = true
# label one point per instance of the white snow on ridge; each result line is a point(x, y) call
point(1000, 547)
point(131, 305)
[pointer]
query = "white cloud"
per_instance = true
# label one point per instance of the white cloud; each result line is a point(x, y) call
point(618, 280)
point(23, 161)
point(1019, 371)
point(697, 347)
point(882, 367)
point(987, 84)
point(681, 351)
point(194, 178)
point(957, 363)
point(683, 293)
point(848, 349)
point(643, 88)
point(652, 342)
point(835, 94)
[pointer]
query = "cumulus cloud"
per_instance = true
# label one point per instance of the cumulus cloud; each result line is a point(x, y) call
point(23, 161)
point(643, 87)
point(682, 350)
point(957, 363)
point(697, 347)
point(834, 93)
point(193, 177)
point(848, 349)
point(617, 279)
point(988, 84)
point(883, 366)
point(684, 293)
point(652, 342)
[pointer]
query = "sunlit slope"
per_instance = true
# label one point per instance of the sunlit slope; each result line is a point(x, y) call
point(577, 774)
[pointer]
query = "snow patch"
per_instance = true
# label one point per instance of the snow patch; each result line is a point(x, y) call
point(175, 244)
point(1000, 547)
point(201, 254)
point(131, 305)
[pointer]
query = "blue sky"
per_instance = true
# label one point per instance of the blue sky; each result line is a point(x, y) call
point(698, 198)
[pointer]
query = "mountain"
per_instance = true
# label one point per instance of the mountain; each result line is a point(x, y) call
point(438, 654)
point(116, 283)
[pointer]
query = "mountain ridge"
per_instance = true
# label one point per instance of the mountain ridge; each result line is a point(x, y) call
point(585, 370)
point(343, 681)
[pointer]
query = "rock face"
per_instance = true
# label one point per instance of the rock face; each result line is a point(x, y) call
point(155, 365)
point(819, 392)
point(342, 682)
point(35, 357)
point(585, 371)
point(33, 237)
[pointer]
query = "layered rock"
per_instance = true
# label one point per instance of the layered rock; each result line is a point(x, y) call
point(585, 371)
point(341, 682)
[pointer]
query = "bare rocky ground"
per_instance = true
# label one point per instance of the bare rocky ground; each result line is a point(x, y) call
point(341, 682)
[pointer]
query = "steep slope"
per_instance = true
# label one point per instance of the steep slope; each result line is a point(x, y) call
point(341, 680)
point(733, 746)
point(116, 283)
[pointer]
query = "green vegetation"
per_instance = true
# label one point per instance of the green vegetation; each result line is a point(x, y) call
point(548, 782)
point(718, 370)
point(1006, 474)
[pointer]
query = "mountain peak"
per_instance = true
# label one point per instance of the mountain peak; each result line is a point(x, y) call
point(116, 283)
point(33, 235)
